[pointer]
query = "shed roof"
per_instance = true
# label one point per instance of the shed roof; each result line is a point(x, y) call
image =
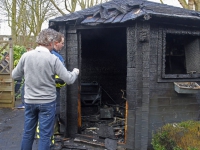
point(120, 11)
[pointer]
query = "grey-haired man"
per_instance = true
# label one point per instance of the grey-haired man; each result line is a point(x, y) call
point(39, 68)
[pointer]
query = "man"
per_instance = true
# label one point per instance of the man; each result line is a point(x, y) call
point(39, 68)
point(58, 45)
point(59, 83)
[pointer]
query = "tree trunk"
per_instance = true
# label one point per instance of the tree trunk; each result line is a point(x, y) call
point(13, 22)
point(197, 5)
point(183, 3)
point(191, 4)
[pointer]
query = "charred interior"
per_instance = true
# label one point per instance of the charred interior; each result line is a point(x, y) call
point(103, 82)
point(182, 54)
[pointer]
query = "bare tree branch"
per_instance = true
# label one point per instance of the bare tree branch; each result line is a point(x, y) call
point(197, 5)
point(183, 3)
point(57, 7)
point(191, 4)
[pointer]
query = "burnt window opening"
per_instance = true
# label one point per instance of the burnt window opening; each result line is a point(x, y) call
point(182, 53)
point(103, 82)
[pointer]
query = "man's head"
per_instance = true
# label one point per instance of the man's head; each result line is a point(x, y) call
point(29, 49)
point(6, 55)
point(47, 37)
point(59, 42)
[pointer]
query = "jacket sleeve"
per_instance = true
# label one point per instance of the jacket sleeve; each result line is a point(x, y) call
point(67, 76)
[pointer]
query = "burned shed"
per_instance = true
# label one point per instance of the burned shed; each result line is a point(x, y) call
point(132, 55)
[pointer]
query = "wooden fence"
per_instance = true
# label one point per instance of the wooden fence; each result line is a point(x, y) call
point(7, 94)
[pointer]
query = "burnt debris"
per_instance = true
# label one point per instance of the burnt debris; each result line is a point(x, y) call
point(100, 120)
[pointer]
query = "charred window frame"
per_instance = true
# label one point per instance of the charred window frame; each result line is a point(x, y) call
point(180, 55)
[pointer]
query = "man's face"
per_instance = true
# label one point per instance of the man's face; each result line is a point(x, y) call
point(59, 45)
point(7, 57)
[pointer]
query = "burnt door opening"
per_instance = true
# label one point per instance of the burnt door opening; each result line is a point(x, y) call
point(103, 83)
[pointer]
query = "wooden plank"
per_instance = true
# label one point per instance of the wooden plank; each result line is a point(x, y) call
point(132, 15)
point(90, 19)
point(79, 111)
point(8, 88)
point(3, 80)
point(5, 101)
point(89, 142)
point(4, 69)
point(4, 42)
point(6, 105)
point(5, 83)
point(126, 123)
point(101, 20)
point(5, 96)
point(110, 20)
point(71, 31)
point(5, 76)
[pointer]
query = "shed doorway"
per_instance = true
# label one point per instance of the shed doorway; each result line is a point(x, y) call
point(103, 63)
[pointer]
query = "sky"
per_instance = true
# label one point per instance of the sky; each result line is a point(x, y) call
point(5, 30)
point(169, 2)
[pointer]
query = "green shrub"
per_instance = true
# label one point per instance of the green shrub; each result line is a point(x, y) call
point(180, 136)
point(18, 52)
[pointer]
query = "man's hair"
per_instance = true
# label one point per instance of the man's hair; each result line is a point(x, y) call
point(47, 36)
point(59, 37)
point(5, 54)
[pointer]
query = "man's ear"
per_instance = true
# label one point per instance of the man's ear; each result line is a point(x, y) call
point(56, 42)
point(51, 44)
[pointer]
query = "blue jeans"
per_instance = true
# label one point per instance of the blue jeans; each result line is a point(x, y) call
point(45, 115)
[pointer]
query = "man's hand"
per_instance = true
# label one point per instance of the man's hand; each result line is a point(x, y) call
point(76, 71)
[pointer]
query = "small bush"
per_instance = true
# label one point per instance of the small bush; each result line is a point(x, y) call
point(18, 52)
point(180, 136)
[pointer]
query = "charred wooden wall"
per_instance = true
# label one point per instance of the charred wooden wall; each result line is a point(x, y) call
point(152, 102)
point(131, 86)
point(138, 80)
point(63, 91)
point(69, 94)
point(72, 90)
point(165, 105)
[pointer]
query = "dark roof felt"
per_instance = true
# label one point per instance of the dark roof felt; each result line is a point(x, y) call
point(119, 11)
